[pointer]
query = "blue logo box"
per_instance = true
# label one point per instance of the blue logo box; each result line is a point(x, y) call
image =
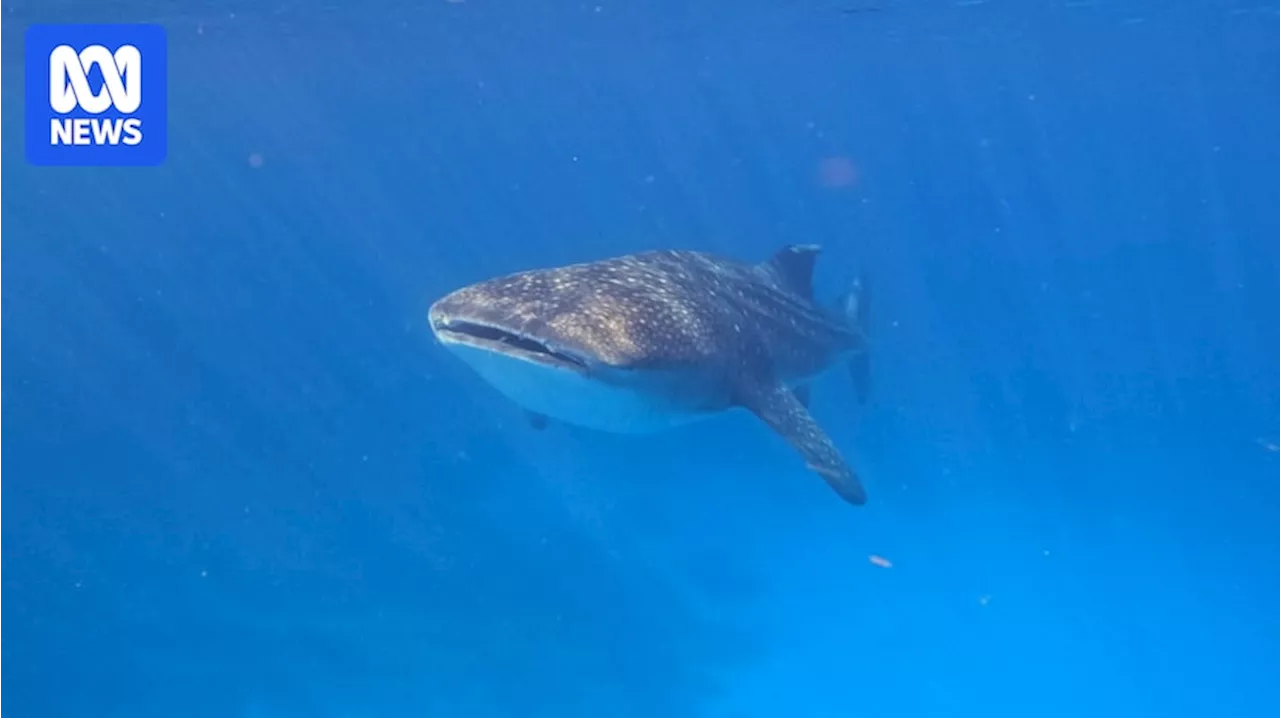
point(96, 95)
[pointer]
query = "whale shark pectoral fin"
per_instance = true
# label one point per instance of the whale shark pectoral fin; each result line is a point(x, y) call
point(778, 407)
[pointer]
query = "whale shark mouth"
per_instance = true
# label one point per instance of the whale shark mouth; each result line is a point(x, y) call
point(505, 341)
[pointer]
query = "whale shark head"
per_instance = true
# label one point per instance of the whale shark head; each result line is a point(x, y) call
point(467, 327)
point(607, 345)
point(648, 341)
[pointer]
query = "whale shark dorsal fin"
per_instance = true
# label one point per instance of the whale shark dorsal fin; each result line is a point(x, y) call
point(778, 407)
point(792, 267)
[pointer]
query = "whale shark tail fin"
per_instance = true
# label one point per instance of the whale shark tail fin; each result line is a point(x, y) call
point(791, 268)
point(856, 307)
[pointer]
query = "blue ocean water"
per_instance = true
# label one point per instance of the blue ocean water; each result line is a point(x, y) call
point(241, 479)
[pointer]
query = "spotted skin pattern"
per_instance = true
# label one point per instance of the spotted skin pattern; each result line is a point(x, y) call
point(751, 329)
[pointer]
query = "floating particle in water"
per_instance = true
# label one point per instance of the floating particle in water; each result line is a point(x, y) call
point(984, 599)
point(837, 172)
point(880, 561)
point(255, 160)
point(1268, 444)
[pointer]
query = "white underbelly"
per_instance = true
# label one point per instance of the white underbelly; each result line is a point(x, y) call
point(569, 397)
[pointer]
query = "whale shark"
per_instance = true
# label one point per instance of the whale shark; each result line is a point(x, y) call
point(654, 340)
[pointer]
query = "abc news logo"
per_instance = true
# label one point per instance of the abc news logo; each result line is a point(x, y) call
point(96, 95)
point(121, 89)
